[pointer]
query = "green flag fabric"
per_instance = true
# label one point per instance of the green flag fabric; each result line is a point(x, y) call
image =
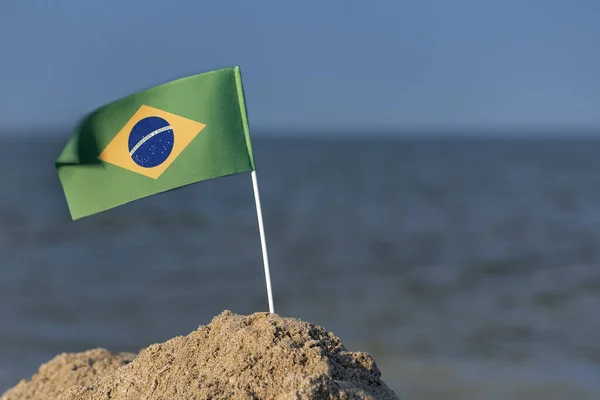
point(162, 138)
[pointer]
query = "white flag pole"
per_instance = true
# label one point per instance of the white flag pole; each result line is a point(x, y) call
point(263, 241)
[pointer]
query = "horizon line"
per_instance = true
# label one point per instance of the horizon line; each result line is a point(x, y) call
point(365, 130)
point(375, 133)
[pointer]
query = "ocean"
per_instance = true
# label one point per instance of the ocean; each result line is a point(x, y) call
point(469, 268)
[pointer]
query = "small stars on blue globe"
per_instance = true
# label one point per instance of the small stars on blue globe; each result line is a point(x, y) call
point(151, 142)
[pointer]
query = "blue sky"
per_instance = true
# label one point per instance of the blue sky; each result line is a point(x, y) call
point(312, 64)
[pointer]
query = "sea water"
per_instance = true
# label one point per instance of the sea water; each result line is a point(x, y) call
point(469, 268)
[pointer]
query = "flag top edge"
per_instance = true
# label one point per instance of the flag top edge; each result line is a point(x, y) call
point(158, 86)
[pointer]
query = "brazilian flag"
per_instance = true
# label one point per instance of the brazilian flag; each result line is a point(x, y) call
point(165, 137)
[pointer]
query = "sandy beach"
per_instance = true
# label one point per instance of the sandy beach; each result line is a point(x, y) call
point(261, 356)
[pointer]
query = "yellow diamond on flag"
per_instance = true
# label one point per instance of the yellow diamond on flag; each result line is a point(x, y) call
point(150, 141)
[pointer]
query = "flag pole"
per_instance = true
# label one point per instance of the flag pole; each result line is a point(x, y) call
point(263, 241)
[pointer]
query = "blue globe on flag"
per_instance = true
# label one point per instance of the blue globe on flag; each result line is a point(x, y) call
point(151, 142)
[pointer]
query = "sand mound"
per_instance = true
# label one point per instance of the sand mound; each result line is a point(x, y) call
point(67, 370)
point(261, 356)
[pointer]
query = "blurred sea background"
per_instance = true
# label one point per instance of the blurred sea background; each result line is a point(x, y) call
point(469, 268)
